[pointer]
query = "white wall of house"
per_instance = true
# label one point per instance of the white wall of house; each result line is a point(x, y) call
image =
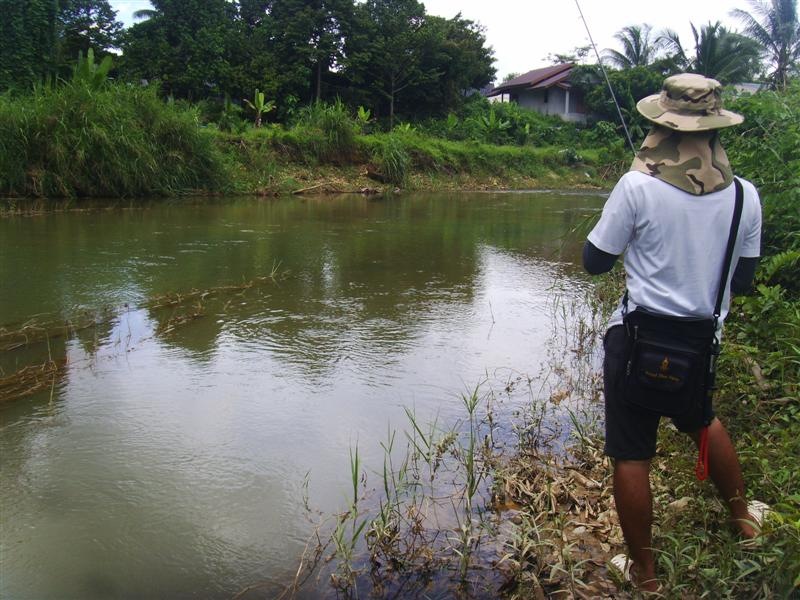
point(553, 101)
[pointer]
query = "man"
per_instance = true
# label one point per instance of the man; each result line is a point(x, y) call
point(671, 215)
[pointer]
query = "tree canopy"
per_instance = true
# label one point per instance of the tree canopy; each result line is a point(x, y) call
point(639, 47)
point(776, 28)
point(42, 38)
point(387, 55)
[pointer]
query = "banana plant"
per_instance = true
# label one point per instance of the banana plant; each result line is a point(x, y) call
point(260, 106)
point(88, 72)
point(362, 119)
point(493, 127)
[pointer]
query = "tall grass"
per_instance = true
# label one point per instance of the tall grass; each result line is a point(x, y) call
point(92, 138)
point(393, 160)
point(77, 140)
point(330, 131)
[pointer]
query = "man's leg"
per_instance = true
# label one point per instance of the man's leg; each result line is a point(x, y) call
point(726, 473)
point(635, 509)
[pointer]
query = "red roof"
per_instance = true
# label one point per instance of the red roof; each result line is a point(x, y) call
point(557, 75)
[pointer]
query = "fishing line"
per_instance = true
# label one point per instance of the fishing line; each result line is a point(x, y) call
point(603, 69)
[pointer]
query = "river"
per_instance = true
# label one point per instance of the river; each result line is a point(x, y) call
point(170, 455)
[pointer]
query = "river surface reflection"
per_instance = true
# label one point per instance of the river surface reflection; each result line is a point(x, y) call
point(168, 459)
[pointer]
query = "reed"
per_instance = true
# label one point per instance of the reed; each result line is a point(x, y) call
point(77, 140)
point(393, 160)
point(329, 131)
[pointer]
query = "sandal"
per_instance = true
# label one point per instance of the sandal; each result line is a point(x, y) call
point(620, 565)
point(759, 512)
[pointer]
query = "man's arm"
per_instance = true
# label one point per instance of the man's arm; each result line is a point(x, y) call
point(595, 261)
point(743, 274)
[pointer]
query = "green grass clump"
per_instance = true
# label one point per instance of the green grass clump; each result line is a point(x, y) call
point(76, 140)
point(329, 131)
point(393, 160)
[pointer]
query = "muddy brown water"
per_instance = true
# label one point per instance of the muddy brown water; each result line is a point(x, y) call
point(170, 462)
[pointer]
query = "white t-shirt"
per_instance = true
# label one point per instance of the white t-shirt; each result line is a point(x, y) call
point(674, 243)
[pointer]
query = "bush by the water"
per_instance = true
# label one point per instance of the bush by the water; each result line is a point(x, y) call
point(761, 368)
point(80, 139)
point(502, 123)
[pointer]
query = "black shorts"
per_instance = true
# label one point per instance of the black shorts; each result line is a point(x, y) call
point(631, 432)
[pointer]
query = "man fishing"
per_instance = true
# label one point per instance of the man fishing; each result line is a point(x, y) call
point(674, 216)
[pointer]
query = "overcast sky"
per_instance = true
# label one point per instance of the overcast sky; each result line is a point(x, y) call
point(524, 33)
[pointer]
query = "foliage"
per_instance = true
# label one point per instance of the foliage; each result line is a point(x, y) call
point(493, 128)
point(601, 134)
point(776, 28)
point(86, 25)
point(331, 131)
point(766, 148)
point(638, 47)
point(363, 121)
point(718, 53)
point(39, 39)
point(185, 45)
point(386, 55)
point(456, 51)
point(306, 38)
point(89, 73)
point(260, 106)
point(228, 115)
point(393, 160)
point(28, 42)
point(629, 85)
point(113, 141)
point(767, 151)
point(502, 123)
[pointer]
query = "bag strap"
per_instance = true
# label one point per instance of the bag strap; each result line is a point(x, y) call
point(726, 265)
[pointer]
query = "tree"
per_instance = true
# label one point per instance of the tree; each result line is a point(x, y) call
point(184, 44)
point(776, 28)
point(638, 47)
point(629, 85)
point(455, 51)
point(28, 41)
point(577, 55)
point(718, 53)
point(384, 54)
point(86, 24)
point(308, 40)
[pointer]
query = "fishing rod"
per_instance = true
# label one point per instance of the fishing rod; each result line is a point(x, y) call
point(603, 69)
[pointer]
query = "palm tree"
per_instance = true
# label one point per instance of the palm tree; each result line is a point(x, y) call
point(638, 49)
point(776, 28)
point(719, 53)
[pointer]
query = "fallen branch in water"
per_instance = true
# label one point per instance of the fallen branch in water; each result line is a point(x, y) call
point(29, 380)
point(316, 187)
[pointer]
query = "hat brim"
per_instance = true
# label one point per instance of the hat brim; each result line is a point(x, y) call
point(653, 111)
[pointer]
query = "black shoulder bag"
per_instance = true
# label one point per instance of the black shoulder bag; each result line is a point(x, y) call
point(671, 367)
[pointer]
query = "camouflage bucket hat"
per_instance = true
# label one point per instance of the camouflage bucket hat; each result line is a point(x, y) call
point(689, 102)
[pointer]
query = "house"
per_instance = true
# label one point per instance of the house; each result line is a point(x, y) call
point(547, 91)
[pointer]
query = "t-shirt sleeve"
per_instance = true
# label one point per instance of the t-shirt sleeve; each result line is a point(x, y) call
point(751, 243)
point(615, 228)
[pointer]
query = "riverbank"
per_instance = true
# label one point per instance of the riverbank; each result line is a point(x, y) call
point(547, 525)
point(78, 140)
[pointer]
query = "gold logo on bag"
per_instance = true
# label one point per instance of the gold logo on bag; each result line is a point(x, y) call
point(665, 365)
